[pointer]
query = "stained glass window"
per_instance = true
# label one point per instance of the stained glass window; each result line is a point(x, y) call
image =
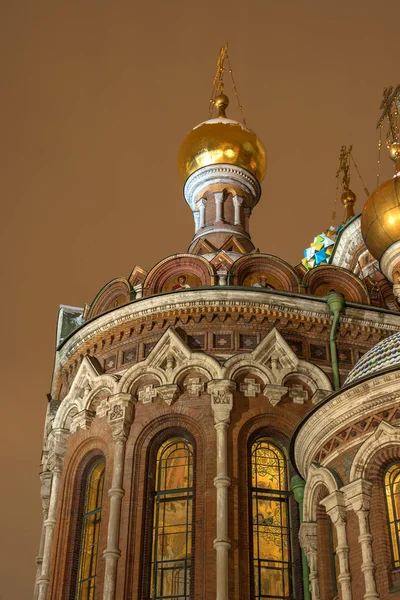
point(90, 532)
point(172, 521)
point(392, 487)
point(272, 566)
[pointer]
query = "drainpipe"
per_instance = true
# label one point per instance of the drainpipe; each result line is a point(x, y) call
point(297, 485)
point(336, 303)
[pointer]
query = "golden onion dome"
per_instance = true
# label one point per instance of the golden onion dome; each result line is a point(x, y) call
point(380, 219)
point(222, 140)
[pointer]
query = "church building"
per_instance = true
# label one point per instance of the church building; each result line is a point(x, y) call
point(226, 426)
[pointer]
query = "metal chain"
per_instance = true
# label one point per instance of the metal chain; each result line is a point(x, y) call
point(359, 174)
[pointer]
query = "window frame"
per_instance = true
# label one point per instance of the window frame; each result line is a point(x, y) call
point(149, 513)
point(287, 501)
point(396, 522)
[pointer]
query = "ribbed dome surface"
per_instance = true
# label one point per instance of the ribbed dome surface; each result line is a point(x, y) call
point(382, 356)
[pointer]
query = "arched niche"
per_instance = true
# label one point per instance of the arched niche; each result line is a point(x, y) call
point(179, 272)
point(322, 280)
point(265, 271)
point(115, 293)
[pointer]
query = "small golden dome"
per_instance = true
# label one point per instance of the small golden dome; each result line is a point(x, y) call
point(380, 219)
point(222, 140)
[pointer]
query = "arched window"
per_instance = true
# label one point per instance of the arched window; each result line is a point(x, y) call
point(271, 545)
point(172, 521)
point(90, 530)
point(392, 488)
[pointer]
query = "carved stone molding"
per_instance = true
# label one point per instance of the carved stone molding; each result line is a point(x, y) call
point(148, 394)
point(195, 387)
point(298, 394)
point(168, 393)
point(82, 420)
point(275, 393)
point(57, 448)
point(120, 414)
point(221, 392)
point(250, 387)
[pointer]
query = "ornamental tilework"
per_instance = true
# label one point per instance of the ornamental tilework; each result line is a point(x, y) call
point(382, 356)
point(196, 341)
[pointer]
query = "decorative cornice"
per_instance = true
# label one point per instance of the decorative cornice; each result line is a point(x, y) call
point(222, 173)
point(344, 408)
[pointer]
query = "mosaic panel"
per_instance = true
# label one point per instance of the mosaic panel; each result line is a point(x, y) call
point(318, 352)
point(247, 341)
point(344, 355)
point(148, 348)
point(222, 341)
point(297, 347)
point(129, 355)
point(196, 341)
point(110, 362)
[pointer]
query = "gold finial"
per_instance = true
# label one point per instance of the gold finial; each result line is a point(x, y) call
point(218, 98)
point(221, 103)
point(348, 197)
point(390, 107)
point(344, 166)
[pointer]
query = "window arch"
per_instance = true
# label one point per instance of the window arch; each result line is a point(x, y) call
point(270, 521)
point(90, 530)
point(392, 489)
point(172, 521)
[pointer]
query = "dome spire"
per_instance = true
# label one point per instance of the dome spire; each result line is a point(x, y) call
point(219, 99)
point(348, 197)
point(390, 107)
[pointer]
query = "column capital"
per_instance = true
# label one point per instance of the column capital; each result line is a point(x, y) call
point(82, 420)
point(308, 536)
point(237, 200)
point(357, 495)
point(335, 506)
point(221, 392)
point(201, 203)
point(120, 414)
point(57, 448)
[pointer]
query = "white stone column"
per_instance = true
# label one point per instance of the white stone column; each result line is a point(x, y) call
point(219, 199)
point(45, 478)
point(237, 203)
point(196, 216)
point(358, 498)
point(202, 212)
point(57, 449)
point(308, 541)
point(120, 418)
point(336, 509)
point(221, 404)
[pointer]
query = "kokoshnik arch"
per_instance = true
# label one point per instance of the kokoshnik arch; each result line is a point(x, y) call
point(226, 425)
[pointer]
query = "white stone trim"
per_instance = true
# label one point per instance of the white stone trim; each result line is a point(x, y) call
point(220, 174)
point(316, 477)
point(343, 409)
point(390, 259)
point(384, 435)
